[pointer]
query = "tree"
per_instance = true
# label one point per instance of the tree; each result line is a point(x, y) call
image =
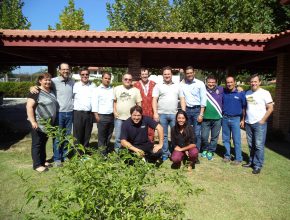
point(11, 17)
point(142, 15)
point(262, 16)
point(71, 19)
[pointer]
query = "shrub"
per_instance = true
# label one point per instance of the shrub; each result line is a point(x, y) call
point(15, 89)
point(112, 187)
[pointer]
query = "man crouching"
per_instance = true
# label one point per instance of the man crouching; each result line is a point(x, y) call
point(134, 135)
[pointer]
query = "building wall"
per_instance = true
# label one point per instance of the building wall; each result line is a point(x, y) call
point(281, 115)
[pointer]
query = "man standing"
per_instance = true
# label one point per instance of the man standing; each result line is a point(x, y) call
point(164, 103)
point(146, 88)
point(259, 108)
point(212, 119)
point(193, 93)
point(63, 87)
point(83, 118)
point(134, 135)
point(234, 104)
point(125, 97)
point(102, 106)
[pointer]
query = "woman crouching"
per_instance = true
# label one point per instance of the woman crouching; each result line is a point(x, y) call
point(183, 141)
point(41, 106)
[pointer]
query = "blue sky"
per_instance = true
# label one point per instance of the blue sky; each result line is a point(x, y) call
point(42, 13)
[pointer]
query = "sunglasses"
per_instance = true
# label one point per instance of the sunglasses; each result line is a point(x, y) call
point(126, 79)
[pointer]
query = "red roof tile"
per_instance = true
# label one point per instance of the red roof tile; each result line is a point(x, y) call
point(238, 37)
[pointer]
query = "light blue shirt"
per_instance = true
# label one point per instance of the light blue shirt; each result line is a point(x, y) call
point(194, 93)
point(103, 100)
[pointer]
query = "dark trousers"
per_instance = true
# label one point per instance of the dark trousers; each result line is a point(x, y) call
point(105, 129)
point(82, 127)
point(148, 149)
point(38, 151)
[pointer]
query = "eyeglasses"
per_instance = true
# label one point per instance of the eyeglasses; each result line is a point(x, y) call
point(126, 79)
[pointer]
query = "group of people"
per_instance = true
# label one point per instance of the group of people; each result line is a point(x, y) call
point(194, 111)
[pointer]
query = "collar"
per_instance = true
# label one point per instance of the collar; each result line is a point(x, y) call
point(62, 79)
point(87, 84)
point(136, 125)
point(190, 82)
point(143, 83)
point(234, 91)
point(104, 87)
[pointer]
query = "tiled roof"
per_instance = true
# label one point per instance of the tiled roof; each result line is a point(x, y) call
point(53, 34)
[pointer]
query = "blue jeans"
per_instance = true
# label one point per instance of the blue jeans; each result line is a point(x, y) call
point(193, 114)
point(231, 126)
point(256, 136)
point(118, 126)
point(212, 126)
point(63, 120)
point(165, 120)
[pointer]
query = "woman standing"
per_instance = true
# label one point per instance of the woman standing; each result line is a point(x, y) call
point(41, 106)
point(183, 141)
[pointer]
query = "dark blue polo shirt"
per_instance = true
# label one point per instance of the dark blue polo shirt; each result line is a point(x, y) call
point(233, 102)
point(137, 134)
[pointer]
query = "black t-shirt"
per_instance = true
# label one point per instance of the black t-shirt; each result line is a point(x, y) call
point(137, 134)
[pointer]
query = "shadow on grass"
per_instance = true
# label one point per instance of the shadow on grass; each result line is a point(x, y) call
point(11, 134)
point(279, 147)
point(13, 124)
point(220, 151)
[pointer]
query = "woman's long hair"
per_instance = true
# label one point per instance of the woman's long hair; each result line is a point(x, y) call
point(187, 131)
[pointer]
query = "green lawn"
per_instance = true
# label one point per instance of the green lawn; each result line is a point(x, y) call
point(226, 192)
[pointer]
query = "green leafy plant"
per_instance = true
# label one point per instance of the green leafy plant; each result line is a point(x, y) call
point(118, 186)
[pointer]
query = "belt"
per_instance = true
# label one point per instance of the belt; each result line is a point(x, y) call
point(196, 106)
point(86, 112)
point(231, 116)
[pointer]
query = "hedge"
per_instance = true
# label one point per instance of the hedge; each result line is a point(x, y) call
point(15, 89)
point(20, 89)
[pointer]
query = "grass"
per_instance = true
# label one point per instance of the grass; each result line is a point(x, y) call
point(222, 191)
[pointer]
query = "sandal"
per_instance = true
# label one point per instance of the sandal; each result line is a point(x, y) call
point(41, 169)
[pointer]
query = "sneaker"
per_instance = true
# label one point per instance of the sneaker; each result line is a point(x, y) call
point(203, 154)
point(164, 158)
point(236, 163)
point(226, 160)
point(57, 164)
point(209, 155)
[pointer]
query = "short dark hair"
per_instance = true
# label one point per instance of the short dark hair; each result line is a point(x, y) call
point(84, 69)
point(211, 77)
point(42, 76)
point(144, 69)
point(59, 67)
point(166, 68)
point(106, 73)
point(189, 68)
point(228, 76)
point(136, 108)
point(255, 75)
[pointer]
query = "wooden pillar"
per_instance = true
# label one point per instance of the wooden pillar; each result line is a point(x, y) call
point(134, 63)
point(281, 118)
point(52, 69)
